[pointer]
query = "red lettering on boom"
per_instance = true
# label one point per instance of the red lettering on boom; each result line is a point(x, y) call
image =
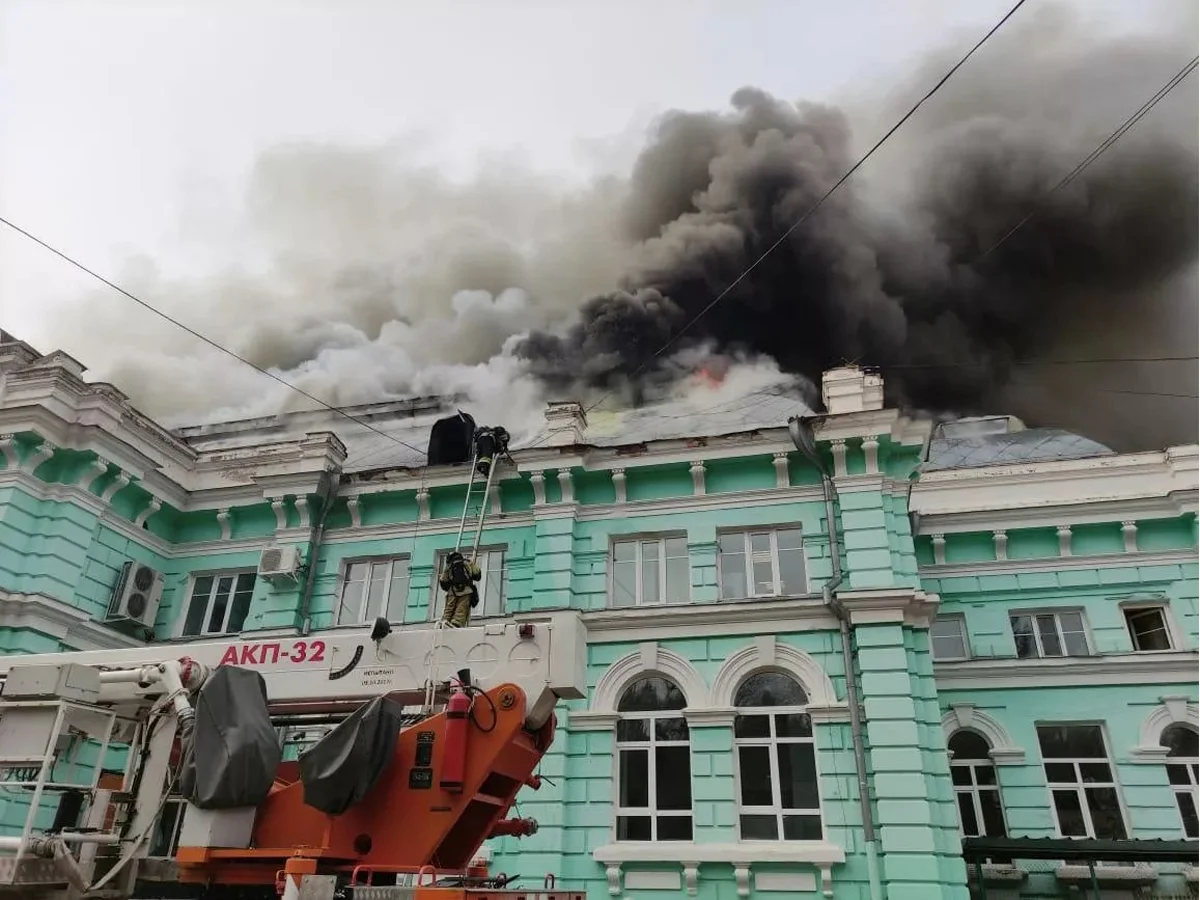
point(248, 655)
point(231, 656)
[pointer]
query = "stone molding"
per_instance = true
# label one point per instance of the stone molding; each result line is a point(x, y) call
point(1174, 710)
point(1163, 667)
point(767, 654)
point(1054, 563)
point(902, 605)
point(46, 615)
point(1003, 751)
point(822, 855)
point(648, 659)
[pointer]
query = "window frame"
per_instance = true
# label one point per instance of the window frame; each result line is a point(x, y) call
point(772, 741)
point(371, 562)
point(974, 788)
point(1168, 622)
point(1190, 765)
point(651, 811)
point(772, 531)
point(1056, 612)
point(637, 539)
point(480, 612)
point(1079, 786)
point(216, 575)
point(961, 621)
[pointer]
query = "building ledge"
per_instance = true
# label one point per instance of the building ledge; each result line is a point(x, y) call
point(690, 856)
point(1163, 667)
point(51, 617)
point(1136, 874)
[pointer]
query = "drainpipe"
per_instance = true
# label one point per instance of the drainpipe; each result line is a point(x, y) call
point(802, 436)
point(330, 483)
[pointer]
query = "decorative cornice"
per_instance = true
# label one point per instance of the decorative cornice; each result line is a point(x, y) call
point(151, 508)
point(8, 446)
point(226, 524)
point(1165, 667)
point(566, 486)
point(38, 455)
point(538, 481)
point(908, 606)
point(1056, 563)
point(618, 481)
point(725, 618)
point(710, 717)
point(838, 447)
point(697, 472)
point(354, 508)
point(94, 470)
point(46, 615)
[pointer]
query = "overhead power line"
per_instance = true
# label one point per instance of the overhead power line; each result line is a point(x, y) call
point(214, 344)
point(1103, 360)
point(816, 206)
point(1101, 149)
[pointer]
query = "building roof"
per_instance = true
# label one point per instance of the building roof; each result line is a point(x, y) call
point(398, 432)
point(1000, 440)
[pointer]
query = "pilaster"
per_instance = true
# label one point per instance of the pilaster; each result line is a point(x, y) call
point(714, 806)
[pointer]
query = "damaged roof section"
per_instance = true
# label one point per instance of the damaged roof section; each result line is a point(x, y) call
point(1003, 440)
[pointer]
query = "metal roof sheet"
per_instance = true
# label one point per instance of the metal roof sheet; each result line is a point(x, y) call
point(1030, 445)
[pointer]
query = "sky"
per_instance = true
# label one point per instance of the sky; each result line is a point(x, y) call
point(129, 129)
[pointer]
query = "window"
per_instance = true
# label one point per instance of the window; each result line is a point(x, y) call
point(766, 563)
point(649, 571)
point(654, 763)
point(491, 584)
point(1080, 778)
point(219, 603)
point(777, 761)
point(980, 812)
point(948, 638)
point(1148, 627)
point(1040, 635)
point(1183, 759)
point(372, 588)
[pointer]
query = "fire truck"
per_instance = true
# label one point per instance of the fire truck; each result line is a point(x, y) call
point(433, 732)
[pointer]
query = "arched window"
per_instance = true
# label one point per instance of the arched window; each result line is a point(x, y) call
point(777, 761)
point(980, 812)
point(654, 763)
point(1183, 759)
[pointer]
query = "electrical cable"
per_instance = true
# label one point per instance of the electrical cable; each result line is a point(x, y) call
point(1051, 362)
point(196, 334)
point(1100, 150)
point(837, 184)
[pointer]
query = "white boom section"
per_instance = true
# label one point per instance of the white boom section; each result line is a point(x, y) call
point(546, 657)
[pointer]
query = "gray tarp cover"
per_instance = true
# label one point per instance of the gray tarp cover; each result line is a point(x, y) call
point(234, 751)
point(341, 767)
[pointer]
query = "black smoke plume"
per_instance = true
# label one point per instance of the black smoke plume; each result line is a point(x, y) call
point(899, 277)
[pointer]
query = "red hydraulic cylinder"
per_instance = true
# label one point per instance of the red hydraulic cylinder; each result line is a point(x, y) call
point(514, 828)
point(454, 750)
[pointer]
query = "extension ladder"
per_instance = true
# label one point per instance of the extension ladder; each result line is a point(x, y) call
point(475, 505)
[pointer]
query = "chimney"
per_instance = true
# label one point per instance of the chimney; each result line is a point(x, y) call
point(567, 424)
point(848, 389)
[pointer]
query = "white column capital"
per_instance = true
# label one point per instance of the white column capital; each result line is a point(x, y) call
point(538, 480)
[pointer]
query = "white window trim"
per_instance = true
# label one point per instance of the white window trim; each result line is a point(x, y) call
point(344, 572)
point(661, 537)
point(1079, 786)
point(1164, 607)
point(439, 559)
point(772, 531)
point(1055, 611)
point(961, 621)
point(974, 789)
point(1190, 763)
point(776, 808)
point(651, 811)
point(216, 575)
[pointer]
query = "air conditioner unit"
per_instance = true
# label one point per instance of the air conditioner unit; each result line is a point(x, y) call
point(279, 563)
point(136, 596)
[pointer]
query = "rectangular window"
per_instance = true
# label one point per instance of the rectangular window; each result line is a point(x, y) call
point(777, 778)
point(218, 603)
point(948, 638)
point(766, 563)
point(654, 799)
point(1083, 789)
point(372, 588)
point(491, 584)
point(649, 571)
point(1148, 628)
point(1043, 635)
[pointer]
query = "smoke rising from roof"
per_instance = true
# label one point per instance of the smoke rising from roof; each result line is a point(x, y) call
point(377, 277)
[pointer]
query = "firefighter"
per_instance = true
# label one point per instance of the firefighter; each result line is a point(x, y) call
point(489, 443)
point(459, 579)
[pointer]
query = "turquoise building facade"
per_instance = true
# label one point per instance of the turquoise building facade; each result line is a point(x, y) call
point(1020, 606)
